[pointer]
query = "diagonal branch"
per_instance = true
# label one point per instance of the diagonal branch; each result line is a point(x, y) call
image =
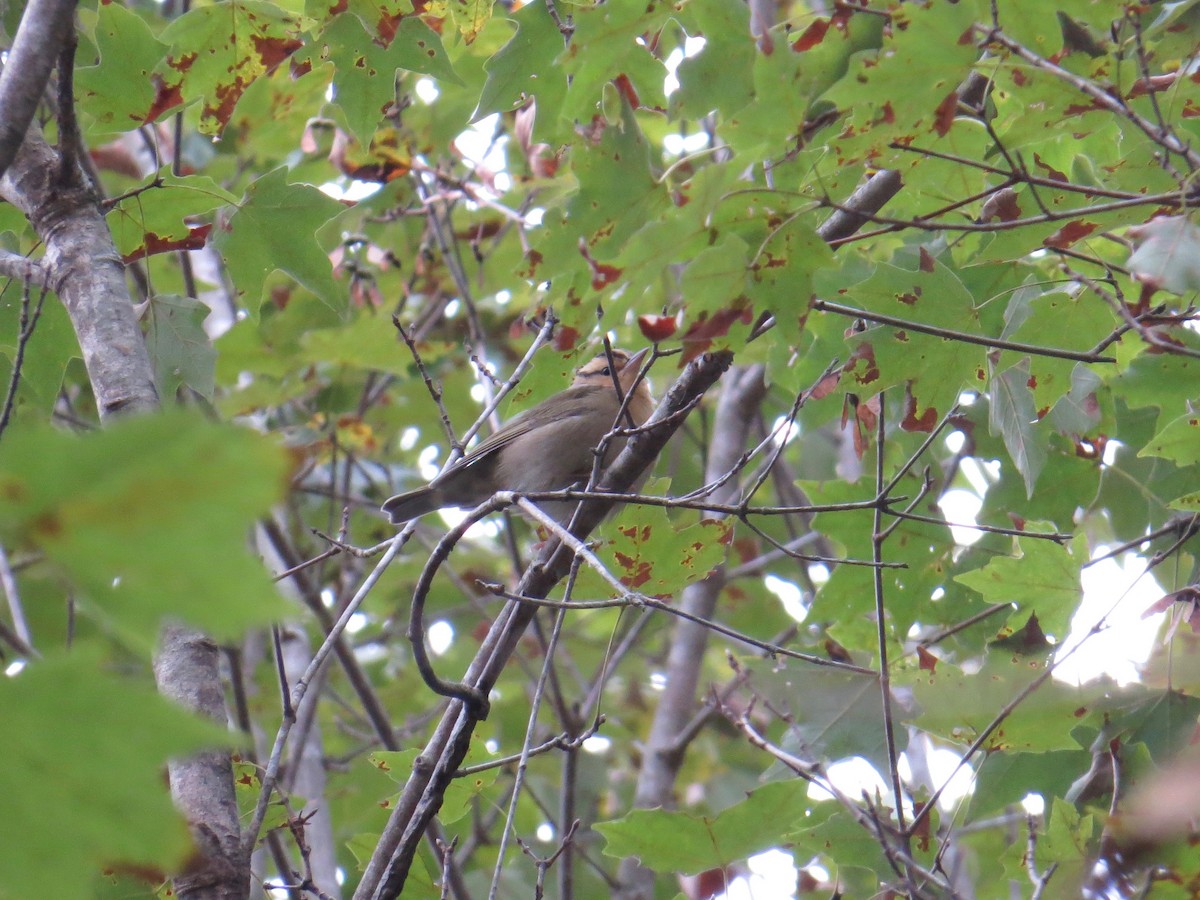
point(44, 26)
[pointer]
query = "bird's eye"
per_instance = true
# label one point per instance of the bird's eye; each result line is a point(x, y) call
point(606, 371)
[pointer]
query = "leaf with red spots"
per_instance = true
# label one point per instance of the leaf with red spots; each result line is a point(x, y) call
point(933, 368)
point(242, 40)
point(653, 556)
point(163, 217)
point(901, 92)
point(470, 16)
point(627, 90)
point(1001, 205)
point(364, 80)
point(565, 338)
point(603, 274)
point(700, 335)
point(924, 421)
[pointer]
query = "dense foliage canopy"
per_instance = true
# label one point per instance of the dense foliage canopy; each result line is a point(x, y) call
point(896, 598)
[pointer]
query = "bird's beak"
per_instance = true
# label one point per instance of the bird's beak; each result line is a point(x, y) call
point(629, 371)
point(634, 363)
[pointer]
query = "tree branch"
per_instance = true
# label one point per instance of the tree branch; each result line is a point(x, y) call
point(44, 26)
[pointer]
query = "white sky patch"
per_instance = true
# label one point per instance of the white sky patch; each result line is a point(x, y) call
point(597, 744)
point(658, 681)
point(409, 437)
point(484, 529)
point(772, 877)
point(358, 621)
point(440, 635)
point(789, 595)
point(1110, 452)
point(482, 149)
point(1034, 804)
point(1127, 641)
point(681, 145)
point(852, 777)
point(426, 90)
point(352, 192)
point(980, 473)
point(545, 832)
point(784, 431)
point(961, 508)
point(942, 763)
point(14, 668)
point(691, 46)
point(427, 466)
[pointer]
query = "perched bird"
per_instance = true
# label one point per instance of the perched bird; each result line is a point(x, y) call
point(547, 448)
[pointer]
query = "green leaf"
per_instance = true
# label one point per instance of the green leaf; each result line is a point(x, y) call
point(274, 228)
point(118, 92)
point(1014, 418)
point(834, 717)
point(1179, 441)
point(47, 352)
point(365, 67)
point(82, 754)
point(617, 194)
point(957, 706)
point(1168, 254)
point(691, 843)
point(1003, 779)
point(470, 16)
point(526, 67)
point(369, 342)
point(906, 91)
point(609, 43)
point(163, 213)
point(1043, 579)
point(720, 76)
point(179, 346)
point(148, 518)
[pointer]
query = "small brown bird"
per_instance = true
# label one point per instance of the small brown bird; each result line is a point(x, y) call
point(547, 448)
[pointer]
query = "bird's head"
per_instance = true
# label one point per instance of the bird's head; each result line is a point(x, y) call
point(599, 371)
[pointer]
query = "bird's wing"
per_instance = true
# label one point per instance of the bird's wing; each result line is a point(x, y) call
point(516, 427)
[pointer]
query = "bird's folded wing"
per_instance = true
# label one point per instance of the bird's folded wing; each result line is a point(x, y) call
point(512, 430)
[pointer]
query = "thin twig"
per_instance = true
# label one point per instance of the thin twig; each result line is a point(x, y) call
point(965, 337)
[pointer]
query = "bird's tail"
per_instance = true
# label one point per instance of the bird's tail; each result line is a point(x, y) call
point(407, 506)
